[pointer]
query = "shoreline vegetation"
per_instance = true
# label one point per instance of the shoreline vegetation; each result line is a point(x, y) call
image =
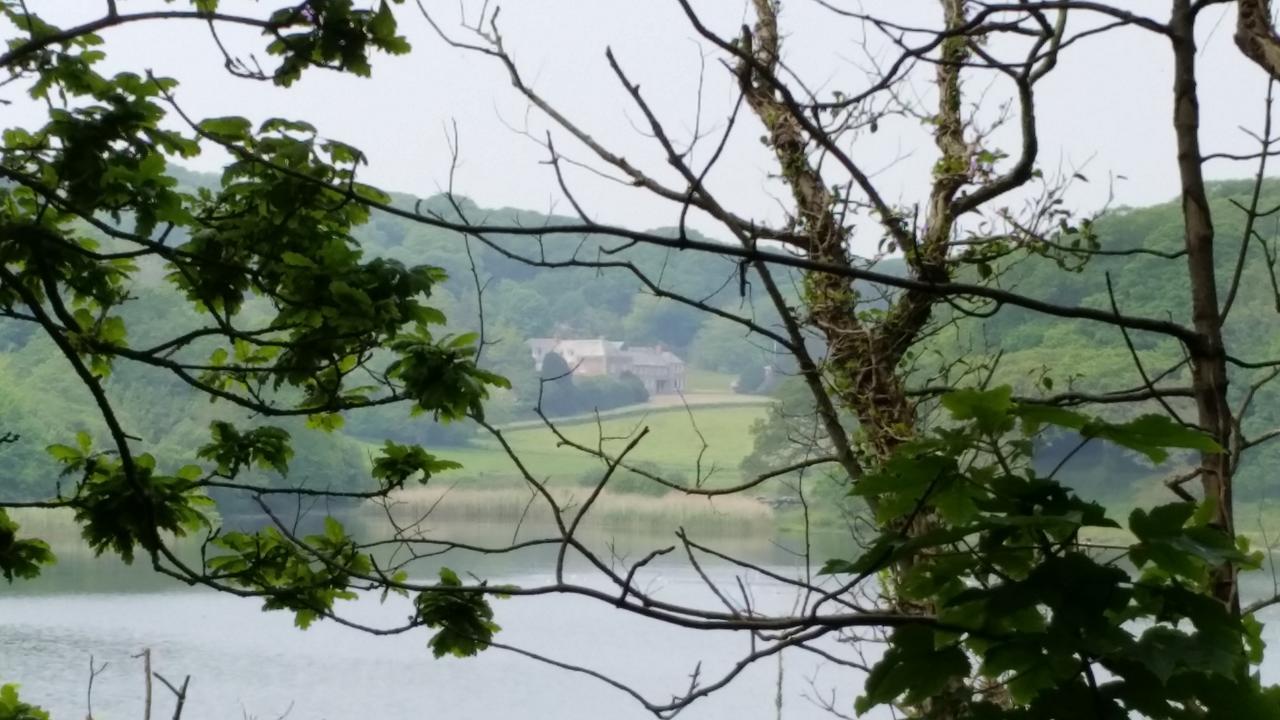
point(706, 439)
point(725, 515)
point(470, 515)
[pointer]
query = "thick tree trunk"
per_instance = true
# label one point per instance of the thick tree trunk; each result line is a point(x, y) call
point(863, 362)
point(863, 359)
point(1255, 36)
point(1208, 356)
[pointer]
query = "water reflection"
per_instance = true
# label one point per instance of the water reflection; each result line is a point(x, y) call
point(245, 663)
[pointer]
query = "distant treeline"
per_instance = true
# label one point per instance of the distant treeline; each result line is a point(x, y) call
point(43, 404)
point(1038, 355)
point(521, 300)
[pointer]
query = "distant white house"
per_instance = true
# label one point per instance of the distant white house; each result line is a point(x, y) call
point(661, 371)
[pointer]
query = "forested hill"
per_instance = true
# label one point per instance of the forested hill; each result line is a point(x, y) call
point(1148, 278)
point(42, 403)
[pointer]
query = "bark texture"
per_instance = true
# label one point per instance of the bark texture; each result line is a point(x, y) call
point(1255, 36)
point(864, 358)
point(1208, 355)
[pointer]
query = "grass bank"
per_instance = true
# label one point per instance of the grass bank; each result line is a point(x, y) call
point(695, 402)
point(708, 442)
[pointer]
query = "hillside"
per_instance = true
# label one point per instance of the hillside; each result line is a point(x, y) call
point(1092, 357)
point(43, 405)
point(520, 301)
point(1041, 356)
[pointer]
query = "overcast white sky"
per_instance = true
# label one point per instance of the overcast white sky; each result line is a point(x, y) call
point(1106, 109)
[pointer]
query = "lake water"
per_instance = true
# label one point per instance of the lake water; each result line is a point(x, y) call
point(245, 663)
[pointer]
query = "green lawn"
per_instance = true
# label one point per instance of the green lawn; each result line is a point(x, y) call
point(673, 443)
point(698, 380)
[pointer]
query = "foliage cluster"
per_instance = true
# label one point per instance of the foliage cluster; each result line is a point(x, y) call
point(1062, 628)
point(1040, 356)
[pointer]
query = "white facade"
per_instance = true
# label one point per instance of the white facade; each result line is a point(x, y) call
point(661, 371)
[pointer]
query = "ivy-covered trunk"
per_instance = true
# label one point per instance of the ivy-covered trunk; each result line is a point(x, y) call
point(864, 359)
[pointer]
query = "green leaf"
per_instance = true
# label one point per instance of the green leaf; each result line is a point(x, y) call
point(64, 453)
point(383, 24)
point(294, 259)
point(1164, 521)
point(1035, 417)
point(913, 669)
point(464, 619)
point(400, 463)
point(464, 340)
point(226, 128)
point(20, 557)
point(1253, 636)
point(12, 708)
point(1167, 651)
point(190, 472)
point(333, 529)
point(1152, 435)
point(328, 422)
point(891, 547)
point(113, 331)
point(990, 409)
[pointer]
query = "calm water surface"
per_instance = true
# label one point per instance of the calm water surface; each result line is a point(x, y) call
point(245, 663)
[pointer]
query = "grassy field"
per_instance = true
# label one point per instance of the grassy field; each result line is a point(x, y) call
point(708, 381)
point(699, 402)
point(674, 442)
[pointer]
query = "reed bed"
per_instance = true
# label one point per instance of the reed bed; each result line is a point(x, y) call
point(44, 521)
point(622, 511)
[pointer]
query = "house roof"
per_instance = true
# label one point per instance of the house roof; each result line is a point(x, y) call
point(580, 348)
point(653, 356)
